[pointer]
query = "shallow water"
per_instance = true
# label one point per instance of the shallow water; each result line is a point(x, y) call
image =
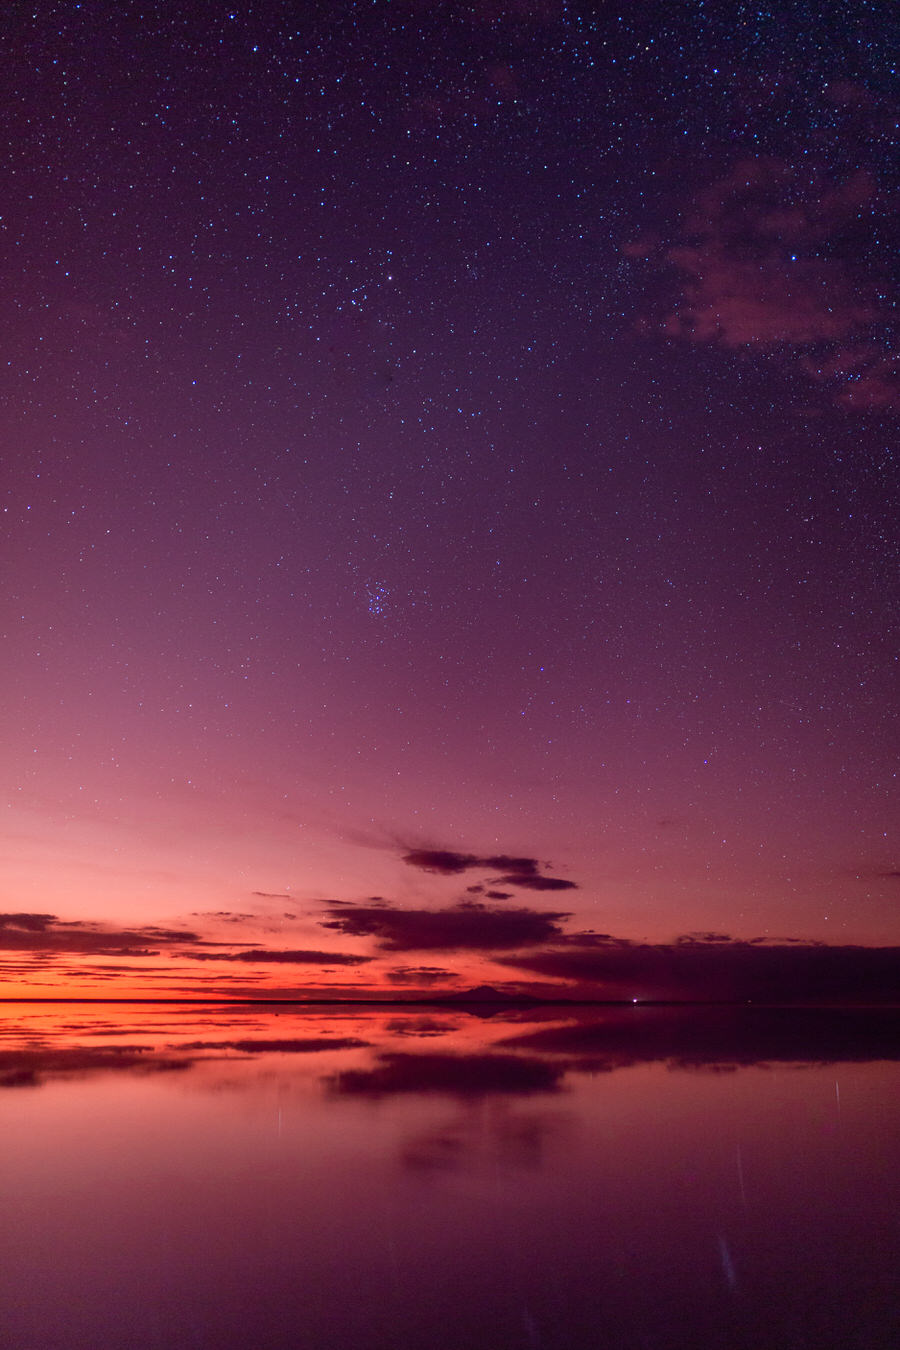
point(440, 1177)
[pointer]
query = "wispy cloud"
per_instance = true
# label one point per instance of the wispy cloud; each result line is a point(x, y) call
point(779, 257)
point(516, 871)
point(420, 975)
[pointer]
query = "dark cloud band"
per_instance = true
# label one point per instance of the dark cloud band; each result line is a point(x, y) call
point(467, 926)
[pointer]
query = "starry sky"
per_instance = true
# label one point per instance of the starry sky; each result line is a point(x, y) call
point(449, 497)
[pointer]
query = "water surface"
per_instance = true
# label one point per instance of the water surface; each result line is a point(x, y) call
point(443, 1177)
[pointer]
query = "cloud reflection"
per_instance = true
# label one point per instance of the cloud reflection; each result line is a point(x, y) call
point(518, 1052)
point(453, 1075)
point(34, 1066)
point(708, 1037)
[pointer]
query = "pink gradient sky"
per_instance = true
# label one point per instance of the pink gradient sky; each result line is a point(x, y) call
point(491, 454)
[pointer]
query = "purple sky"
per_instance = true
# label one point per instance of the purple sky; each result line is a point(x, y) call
point(441, 430)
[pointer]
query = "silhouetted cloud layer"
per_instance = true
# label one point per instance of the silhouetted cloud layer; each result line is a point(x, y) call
point(303, 1045)
point(29, 923)
point(467, 926)
point(710, 968)
point(271, 956)
point(420, 975)
point(47, 933)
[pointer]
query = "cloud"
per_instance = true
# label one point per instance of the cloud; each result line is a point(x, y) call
point(301, 1045)
point(756, 259)
point(272, 895)
point(229, 915)
point(517, 871)
point(860, 374)
point(536, 883)
point(710, 967)
point(29, 923)
point(263, 955)
point(464, 1076)
point(48, 934)
point(418, 975)
point(448, 862)
point(777, 257)
point(466, 926)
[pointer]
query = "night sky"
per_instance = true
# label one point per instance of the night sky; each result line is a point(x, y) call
point(449, 498)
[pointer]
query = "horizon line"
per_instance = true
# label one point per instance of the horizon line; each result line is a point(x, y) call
point(513, 999)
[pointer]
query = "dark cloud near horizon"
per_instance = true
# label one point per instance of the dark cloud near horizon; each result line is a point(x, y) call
point(297, 1045)
point(29, 923)
point(267, 956)
point(466, 926)
point(418, 975)
point(707, 968)
point(45, 933)
point(229, 915)
point(414, 975)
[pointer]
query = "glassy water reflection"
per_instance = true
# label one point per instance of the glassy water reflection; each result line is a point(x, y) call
point(430, 1178)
